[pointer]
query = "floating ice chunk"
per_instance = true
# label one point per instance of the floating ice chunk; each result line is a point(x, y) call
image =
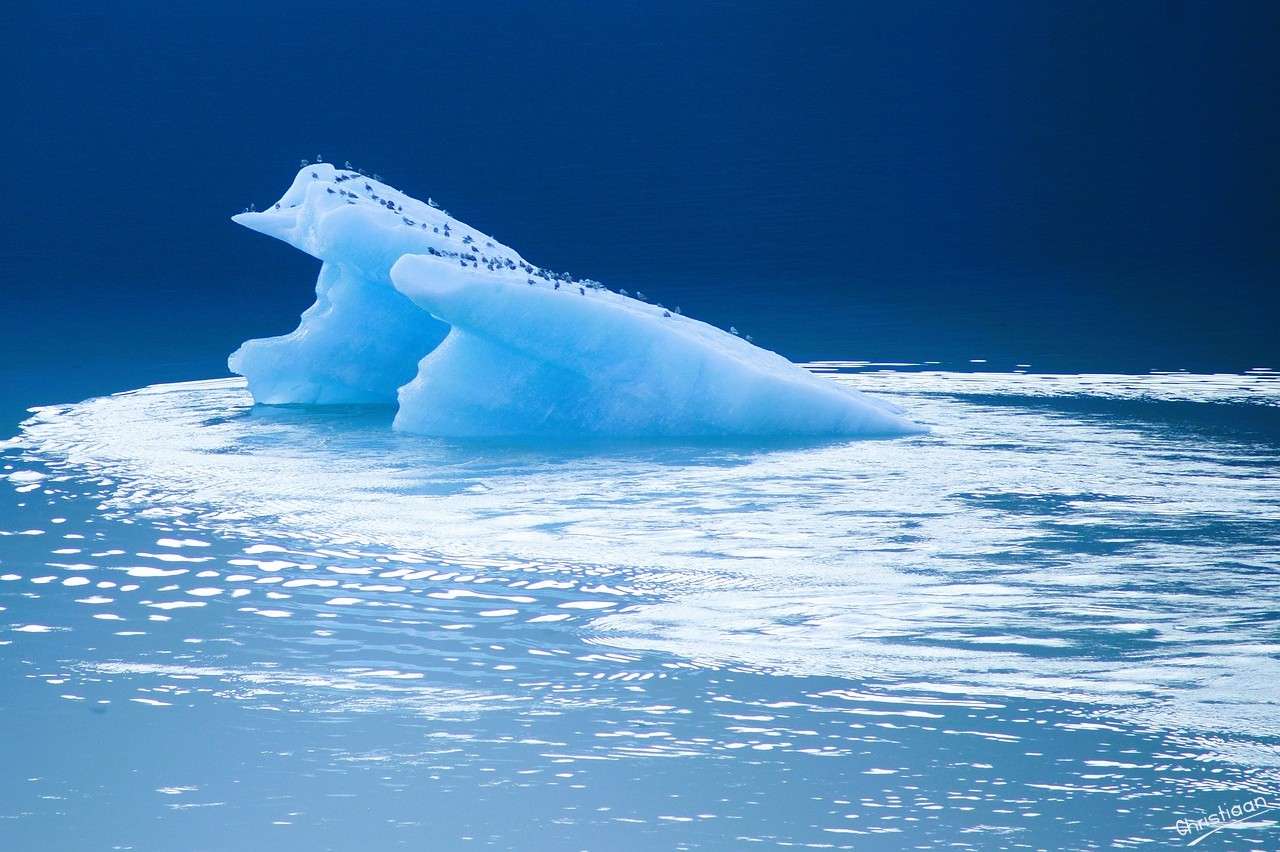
point(474, 341)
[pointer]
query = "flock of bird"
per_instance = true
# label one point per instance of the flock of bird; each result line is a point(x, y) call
point(471, 254)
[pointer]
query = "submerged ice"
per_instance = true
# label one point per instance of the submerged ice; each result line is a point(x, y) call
point(471, 340)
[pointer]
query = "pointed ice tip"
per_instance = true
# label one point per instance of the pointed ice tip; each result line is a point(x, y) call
point(274, 223)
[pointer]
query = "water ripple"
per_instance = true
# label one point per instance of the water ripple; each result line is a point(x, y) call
point(973, 632)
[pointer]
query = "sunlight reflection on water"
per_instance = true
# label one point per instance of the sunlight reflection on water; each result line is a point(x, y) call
point(1038, 574)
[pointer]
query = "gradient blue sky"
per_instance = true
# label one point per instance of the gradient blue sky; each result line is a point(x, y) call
point(1077, 185)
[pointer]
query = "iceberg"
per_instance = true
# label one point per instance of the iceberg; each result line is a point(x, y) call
point(470, 340)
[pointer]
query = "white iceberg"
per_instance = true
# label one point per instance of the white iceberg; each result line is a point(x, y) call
point(472, 340)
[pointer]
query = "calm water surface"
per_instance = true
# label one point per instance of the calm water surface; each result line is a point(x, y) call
point(1052, 623)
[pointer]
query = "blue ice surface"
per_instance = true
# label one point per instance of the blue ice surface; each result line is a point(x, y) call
point(471, 340)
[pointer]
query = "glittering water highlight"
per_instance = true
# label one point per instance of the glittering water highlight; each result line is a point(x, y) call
point(1049, 623)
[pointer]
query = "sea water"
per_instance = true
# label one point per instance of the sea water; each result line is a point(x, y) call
point(1049, 623)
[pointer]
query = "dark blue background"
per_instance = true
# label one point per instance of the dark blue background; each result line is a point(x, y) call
point(1081, 186)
